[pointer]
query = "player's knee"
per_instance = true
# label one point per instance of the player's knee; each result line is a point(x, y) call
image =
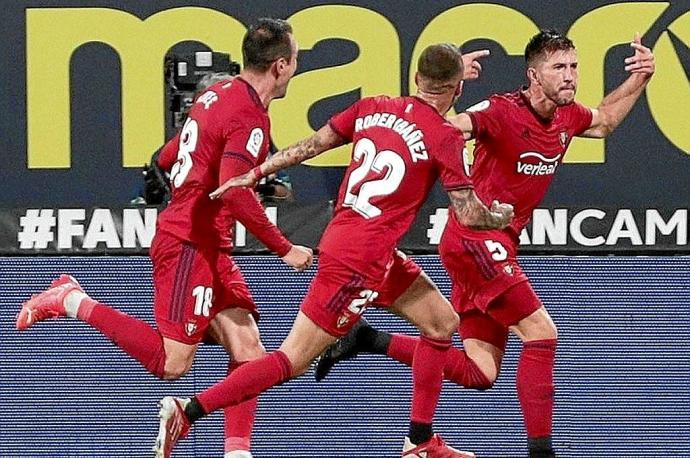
point(546, 331)
point(248, 349)
point(175, 369)
point(444, 326)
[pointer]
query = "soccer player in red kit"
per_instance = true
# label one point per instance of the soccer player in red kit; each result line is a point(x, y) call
point(199, 291)
point(521, 139)
point(400, 147)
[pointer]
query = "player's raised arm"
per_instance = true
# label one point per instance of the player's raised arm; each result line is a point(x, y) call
point(472, 69)
point(471, 211)
point(615, 106)
point(323, 140)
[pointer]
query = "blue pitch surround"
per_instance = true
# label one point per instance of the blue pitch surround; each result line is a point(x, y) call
point(623, 372)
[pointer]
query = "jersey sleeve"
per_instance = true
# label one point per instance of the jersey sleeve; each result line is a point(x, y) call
point(580, 118)
point(244, 140)
point(244, 206)
point(487, 118)
point(343, 123)
point(451, 163)
point(168, 154)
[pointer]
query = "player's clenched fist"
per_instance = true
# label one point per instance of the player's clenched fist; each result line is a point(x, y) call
point(299, 257)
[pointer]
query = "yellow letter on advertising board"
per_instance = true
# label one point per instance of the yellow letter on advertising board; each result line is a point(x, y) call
point(376, 70)
point(53, 34)
point(507, 27)
point(668, 92)
point(594, 34)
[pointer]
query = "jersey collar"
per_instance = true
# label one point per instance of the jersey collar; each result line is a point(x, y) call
point(252, 93)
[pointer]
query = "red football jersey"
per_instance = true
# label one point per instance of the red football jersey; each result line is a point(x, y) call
point(226, 133)
point(400, 147)
point(517, 152)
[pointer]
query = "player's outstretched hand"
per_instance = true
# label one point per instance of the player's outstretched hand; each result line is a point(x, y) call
point(471, 63)
point(504, 211)
point(642, 61)
point(299, 257)
point(248, 180)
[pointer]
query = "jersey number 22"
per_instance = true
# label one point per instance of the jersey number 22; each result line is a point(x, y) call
point(383, 161)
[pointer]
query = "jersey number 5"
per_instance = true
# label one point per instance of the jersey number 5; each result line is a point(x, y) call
point(384, 161)
point(188, 139)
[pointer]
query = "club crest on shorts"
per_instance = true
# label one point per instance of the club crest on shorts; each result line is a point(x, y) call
point(342, 321)
point(190, 328)
point(508, 269)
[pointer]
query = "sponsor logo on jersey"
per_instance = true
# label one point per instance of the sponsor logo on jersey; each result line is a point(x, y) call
point(543, 166)
point(254, 142)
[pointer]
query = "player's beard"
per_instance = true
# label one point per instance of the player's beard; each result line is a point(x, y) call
point(561, 99)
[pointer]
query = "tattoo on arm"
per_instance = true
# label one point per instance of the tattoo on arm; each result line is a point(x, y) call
point(321, 141)
point(471, 212)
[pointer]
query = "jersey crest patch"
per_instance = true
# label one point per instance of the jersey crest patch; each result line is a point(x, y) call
point(256, 139)
point(563, 137)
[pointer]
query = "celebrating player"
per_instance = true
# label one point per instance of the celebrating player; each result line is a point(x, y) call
point(199, 291)
point(521, 138)
point(400, 147)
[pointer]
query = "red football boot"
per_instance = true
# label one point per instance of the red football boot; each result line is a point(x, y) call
point(48, 304)
point(174, 425)
point(433, 448)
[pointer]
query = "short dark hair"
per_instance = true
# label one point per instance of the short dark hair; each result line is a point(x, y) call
point(440, 64)
point(265, 42)
point(546, 41)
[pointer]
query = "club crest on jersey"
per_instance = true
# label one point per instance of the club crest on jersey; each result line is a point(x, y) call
point(256, 139)
point(536, 164)
point(190, 328)
point(563, 137)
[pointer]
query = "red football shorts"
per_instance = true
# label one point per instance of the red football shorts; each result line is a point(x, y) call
point(338, 296)
point(191, 285)
point(490, 291)
point(518, 302)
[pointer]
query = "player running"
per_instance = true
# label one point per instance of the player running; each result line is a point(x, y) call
point(521, 139)
point(400, 147)
point(200, 293)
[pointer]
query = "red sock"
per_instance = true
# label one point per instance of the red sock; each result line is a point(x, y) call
point(459, 368)
point(133, 336)
point(535, 386)
point(247, 381)
point(402, 347)
point(239, 420)
point(427, 377)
